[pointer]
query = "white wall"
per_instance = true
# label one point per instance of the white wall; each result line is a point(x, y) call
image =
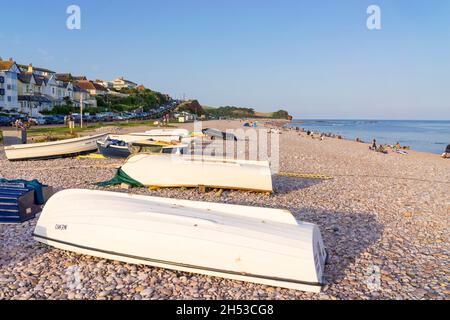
point(10, 99)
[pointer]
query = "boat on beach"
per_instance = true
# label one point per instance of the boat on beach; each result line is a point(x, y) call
point(259, 245)
point(217, 134)
point(193, 171)
point(166, 135)
point(161, 134)
point(54, 149)
point(114, 148)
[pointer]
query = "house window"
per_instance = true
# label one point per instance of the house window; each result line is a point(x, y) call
point(9, 99)
point(9, 87)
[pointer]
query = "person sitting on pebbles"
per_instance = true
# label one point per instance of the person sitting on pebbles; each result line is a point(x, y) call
point(374, 145)
point(446, 154)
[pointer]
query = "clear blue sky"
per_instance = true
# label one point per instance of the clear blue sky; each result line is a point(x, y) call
point(315, 58)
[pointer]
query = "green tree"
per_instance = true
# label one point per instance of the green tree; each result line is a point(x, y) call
point(281, 114)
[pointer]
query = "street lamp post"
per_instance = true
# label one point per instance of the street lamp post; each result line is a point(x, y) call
point(81, 111)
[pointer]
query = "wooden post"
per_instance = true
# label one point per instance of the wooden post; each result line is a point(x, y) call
point(81, 111)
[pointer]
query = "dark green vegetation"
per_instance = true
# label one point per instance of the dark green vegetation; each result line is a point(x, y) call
point(281, 114)
point(231, 112)
point(144, 100)
point(191, 106)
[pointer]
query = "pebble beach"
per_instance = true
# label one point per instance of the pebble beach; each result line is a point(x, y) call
point(384, 219)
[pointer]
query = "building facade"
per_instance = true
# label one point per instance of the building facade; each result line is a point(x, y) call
point(32, 99)
point(121, 83)
point(9, 100)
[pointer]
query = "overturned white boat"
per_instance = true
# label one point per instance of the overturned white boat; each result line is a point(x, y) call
point(166, 135)
point(259, 245)
point(194, 171)
point(183, 133)
point(55, 149)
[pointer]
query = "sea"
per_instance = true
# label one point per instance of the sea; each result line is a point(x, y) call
point(427, 136)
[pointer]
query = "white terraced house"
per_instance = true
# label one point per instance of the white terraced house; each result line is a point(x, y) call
point(31, 94)
point(121, 83)
point(40, 89)
point(9, 71)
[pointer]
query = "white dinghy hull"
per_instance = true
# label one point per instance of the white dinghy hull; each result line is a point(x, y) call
point(49, 150)
point(183, 133)
point(259, 245)
point(166, 135)
point(193, 171)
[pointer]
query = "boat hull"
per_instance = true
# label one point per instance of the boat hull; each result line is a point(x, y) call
point(194, 171)
point(182, 133)
point(50, 150)
point(133, 137)
point(217, 134)
point(257, 245)
point(113, 151)
point(157, 135)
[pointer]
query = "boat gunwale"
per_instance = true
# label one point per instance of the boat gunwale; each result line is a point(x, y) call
point(57, 156)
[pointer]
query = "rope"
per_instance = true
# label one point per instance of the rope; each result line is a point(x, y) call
point(396, 178)
point(325, 177)
point(305, 175)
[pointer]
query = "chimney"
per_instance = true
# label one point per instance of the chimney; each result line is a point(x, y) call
point(30, 68)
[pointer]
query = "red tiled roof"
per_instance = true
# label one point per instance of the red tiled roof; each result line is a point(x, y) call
point(90, 85)
point(84, 84)
point(99, 87)
point(6, 65)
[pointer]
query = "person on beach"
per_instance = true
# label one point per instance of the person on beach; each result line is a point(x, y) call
point(70, 122)
point(374, 145)
point(23, 127)
point(446, 154)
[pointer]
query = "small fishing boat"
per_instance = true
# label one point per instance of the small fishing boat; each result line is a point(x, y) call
point(114, 148)
point(259, 245)
point(193, 171)
point(55, 149)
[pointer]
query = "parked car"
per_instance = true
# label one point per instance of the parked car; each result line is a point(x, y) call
point(117, 118)
point(59, 119)
point(37, 121)
point(6, 121)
